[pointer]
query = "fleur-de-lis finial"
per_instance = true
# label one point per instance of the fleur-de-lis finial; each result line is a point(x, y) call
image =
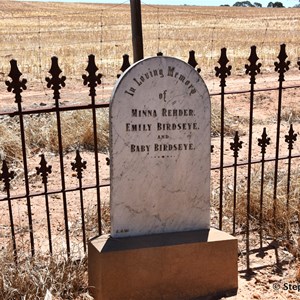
point(264, 141)
point(125, 64)
point(56, 82)
point(192, 60)
point(79, 165)
point(282, 66)
point(253, 69)
point(291, 137)
point(236, 145)
point(223, 71)
point(93, 79)
point(16, 85)
point(6, 176)
point(43, 170)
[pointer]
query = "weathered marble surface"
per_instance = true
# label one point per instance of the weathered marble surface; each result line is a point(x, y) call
point(160, 149)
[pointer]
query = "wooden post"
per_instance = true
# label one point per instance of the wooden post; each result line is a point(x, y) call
point(136, 28)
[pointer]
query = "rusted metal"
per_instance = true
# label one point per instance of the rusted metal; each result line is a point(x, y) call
point(290, 138)
point(79, 165)
point(252, 70)
point(222, 72)
point(253, 162)
point(192, 61)
point(92, 80)
point(125, 64)
point(56, 83)
point(44, 170)
point(53, 109)
point(281, 67)
point(17, 86)
point(296, 86)
point(263, 143)
point(6, 176)
point(236, 146)
point(54, 192)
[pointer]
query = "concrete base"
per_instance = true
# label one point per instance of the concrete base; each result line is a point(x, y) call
point(170, 266)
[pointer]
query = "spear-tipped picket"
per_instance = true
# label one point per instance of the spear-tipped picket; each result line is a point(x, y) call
point(291, 138)
point(16, 86)
point(55, 82)
point(264, 141)
point(78, 165)
point(192, 60)
point(253, 68)
point(44, 170)
point(6, 176)
point(125, 64)
point(282, 66)
point(236, 146)
point(223, 71)
point(92, 79)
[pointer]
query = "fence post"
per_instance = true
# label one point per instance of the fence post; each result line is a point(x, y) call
point(136, 28)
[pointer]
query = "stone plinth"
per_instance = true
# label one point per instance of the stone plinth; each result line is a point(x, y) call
point(169, 266)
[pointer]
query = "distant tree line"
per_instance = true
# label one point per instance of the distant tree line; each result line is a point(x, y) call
point(257, 4)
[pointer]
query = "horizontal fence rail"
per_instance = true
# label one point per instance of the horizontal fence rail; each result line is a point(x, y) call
point(246, 213)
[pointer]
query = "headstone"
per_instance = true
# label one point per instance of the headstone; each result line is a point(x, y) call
point(161, 246)
point(160, 149)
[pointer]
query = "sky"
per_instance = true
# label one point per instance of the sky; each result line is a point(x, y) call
point(286, 3)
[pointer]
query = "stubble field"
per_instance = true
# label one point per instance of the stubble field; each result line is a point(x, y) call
point(32, 32)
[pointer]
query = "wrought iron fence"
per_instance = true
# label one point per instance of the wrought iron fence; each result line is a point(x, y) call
point(253, 221)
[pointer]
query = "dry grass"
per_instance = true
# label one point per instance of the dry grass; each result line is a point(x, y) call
point(277, 227)
point(10, 145)
point(63, 277)
point(231, 123)
point(41, 134)
point(290, 115)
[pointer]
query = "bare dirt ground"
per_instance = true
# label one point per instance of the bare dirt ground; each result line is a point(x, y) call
point(275, 271)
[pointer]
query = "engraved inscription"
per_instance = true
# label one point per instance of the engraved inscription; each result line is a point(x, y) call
point(166, 119)
point(160, 73)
